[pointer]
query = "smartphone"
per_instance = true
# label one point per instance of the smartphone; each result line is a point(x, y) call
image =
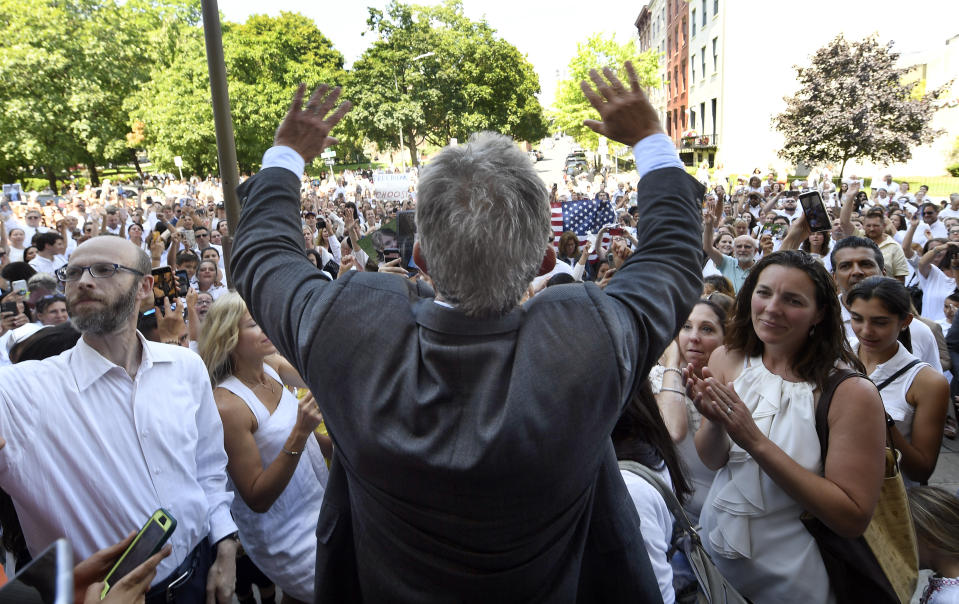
point(47, 579)
point(615, 232)
point(189, 238)
point(815, 211)
point(182, 283)
point(164, 285)
point(405, 238)
point(790, 193)
point(148, 541)
point(9, 307)
point(19, 286)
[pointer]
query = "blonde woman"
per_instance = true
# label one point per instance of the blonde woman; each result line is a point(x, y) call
point(266, 434)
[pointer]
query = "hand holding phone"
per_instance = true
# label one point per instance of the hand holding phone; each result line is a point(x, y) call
point(145, 545)
point(815, 212)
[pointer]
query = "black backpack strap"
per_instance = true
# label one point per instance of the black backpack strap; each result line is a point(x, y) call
point(825, 400)
point(904, 369)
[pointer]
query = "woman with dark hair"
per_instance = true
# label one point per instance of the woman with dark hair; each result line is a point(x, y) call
point(641, 436)
point(700, 335)
point(817, 244)
point(568, 248)
point(783, 345)
point(938, 269)
point(29, 253)
point(718, 283)
point(914, 394)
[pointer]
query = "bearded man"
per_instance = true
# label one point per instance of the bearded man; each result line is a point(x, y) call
point(101, 436)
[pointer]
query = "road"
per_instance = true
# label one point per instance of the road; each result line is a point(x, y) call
point(550, 168)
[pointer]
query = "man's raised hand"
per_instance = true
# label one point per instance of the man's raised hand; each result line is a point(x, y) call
point(306, 131)
point(626, 115)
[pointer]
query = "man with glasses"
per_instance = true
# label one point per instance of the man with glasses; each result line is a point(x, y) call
point(121, 427)
point(933, 227)
point(32, 226)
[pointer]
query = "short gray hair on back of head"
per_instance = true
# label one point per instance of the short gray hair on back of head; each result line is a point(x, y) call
point(483, 222)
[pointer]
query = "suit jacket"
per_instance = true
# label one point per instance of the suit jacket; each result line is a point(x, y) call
point(473, 460)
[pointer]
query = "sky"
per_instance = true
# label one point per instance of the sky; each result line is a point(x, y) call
point(548, 32)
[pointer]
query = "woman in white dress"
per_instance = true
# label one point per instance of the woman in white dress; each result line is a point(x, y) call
point(275, 463)
point(915, 395)
point(758, 399)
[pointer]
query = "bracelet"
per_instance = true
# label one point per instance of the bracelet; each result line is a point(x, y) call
point(676, 390)
point(678, 371)
point(293, 453)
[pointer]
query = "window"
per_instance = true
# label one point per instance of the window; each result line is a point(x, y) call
point(715, 7)
point(714, 118)
point(703, 61)
point(702, 115)
point(693, 75)
point(684, 75)
point(692, 119)
point(676, 79)
point(715, 54)
point(694, 23)
point(704, 13)
point(682, 114)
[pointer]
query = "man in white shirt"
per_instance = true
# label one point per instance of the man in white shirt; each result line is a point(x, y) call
point(120, 427)
point(51, 248)
point(32, 226)
point(953, 210)
point(888, 184)
point(933, 227)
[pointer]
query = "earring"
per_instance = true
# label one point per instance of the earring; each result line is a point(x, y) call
point(812, 330)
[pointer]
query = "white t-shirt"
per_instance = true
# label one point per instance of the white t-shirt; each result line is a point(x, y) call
point(948, 213)
point(935, 288)
point(657, 523)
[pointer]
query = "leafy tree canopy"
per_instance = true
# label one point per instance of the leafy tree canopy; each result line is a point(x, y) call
point(852, 104)
point(434, 74)
point(598, 51)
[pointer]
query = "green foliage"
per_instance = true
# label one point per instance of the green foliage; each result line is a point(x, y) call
point(265, 58)
point(851, 104)
point(598, 51)
point(473, 80)
point(953, 170)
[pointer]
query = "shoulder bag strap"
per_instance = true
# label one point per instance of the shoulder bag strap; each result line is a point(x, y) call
point(679, 514)
point(904, 369)
point(825, 400)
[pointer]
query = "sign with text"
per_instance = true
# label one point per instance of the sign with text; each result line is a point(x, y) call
point(391, 187)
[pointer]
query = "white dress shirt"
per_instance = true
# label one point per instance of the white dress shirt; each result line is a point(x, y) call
point(92, 453)
point(42, 265)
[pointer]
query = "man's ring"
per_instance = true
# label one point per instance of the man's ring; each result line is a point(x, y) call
point(729, 410)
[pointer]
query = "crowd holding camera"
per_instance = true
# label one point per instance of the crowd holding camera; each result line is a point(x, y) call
point(461, 419)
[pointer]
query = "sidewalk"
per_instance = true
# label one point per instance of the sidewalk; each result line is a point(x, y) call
point(947, 469)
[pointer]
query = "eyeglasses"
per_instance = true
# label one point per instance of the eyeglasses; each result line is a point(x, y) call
point(100, 270)
point(33, 217)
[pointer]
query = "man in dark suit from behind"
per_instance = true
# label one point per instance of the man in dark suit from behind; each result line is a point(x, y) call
point(473, 461)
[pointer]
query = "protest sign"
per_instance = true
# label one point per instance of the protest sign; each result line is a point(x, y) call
point(391, 187)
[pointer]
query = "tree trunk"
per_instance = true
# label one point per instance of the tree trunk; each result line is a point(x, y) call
point(51, 178)
point(136, 163)
point(411, 143)
point(94, 177)
point(842, 169)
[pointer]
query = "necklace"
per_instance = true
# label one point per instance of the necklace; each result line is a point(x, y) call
point(258, 384)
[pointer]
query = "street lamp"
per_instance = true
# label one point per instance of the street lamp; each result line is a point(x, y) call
point(396, 86)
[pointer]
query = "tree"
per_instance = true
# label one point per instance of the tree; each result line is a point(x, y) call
point(433, 74)
point(266, 58)
point(852, 104)
point(598, 51)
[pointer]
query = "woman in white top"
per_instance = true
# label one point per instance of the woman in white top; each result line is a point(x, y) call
point(784, 341)
point(641, 436)
point(208, 279)
point(938, 269)
point(16, 237)
point(274, 463)
point(700, 335)
point(914, 394)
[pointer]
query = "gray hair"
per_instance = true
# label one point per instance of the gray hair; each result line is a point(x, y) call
point(483, 222)
point(44, 280)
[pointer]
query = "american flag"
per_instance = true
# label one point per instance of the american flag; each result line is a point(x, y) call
point(587, 216)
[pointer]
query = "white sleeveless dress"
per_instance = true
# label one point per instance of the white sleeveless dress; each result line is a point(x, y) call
point(282, 541)
point(750, 526)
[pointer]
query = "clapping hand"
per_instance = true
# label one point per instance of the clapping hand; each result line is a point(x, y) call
point(307, 131)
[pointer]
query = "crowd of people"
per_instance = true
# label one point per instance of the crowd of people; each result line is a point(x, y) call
point(345, 432)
